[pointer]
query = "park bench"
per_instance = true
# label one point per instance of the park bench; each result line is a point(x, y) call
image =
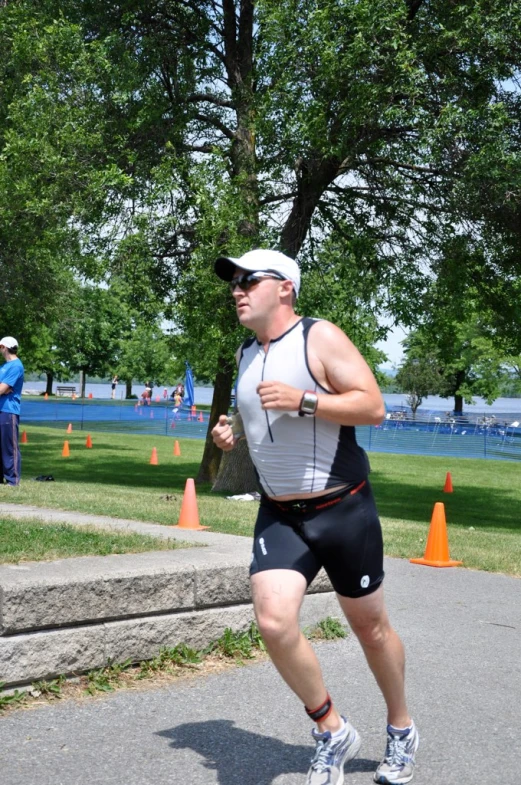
point(64, 389)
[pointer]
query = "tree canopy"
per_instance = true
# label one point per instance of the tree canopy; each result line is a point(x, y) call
point(377, 139)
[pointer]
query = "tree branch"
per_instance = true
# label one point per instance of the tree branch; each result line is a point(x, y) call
point(213, 99)
point(216, 123)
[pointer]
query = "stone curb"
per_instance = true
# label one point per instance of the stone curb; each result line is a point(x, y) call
point(72, 615)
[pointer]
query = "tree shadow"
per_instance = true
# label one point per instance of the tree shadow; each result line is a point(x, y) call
point(240, 757)
point(478, 506)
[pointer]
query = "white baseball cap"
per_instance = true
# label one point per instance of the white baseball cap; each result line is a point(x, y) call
point(259, 261)
point(9, 342)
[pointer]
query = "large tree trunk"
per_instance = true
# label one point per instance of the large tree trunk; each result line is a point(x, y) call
point(236, 473)
point(220, 405)
point(48, 386)
point(128, 388)
point(458, 399)
point(458, 405)
point(83, 382)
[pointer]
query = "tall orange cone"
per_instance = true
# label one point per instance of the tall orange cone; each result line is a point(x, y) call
point(46, 397)
point(189, 515)
point(153, 457)
point(447, 488)
point(69, 428)
point(24, 437)
point(437, 548)
point(88, 443)
point(65, 451)
point(177, 449)
point(200, 418)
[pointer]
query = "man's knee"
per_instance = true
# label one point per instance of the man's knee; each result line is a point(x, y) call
point(276, 625)
point(373, 633)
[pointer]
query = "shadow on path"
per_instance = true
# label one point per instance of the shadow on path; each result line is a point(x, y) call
point(240, 757)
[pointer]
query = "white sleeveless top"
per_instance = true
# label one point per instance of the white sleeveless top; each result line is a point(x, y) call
point(293, 454)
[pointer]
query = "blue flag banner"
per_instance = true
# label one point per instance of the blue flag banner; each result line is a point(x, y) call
point(189, 397)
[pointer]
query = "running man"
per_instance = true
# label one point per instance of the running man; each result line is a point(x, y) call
point(302, 388)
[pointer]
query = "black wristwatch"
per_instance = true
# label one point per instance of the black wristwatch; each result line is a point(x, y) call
point(308, 404)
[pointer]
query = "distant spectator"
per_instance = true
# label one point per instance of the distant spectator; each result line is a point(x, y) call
point(165, 394)
point(11, 383)
point(114, 385)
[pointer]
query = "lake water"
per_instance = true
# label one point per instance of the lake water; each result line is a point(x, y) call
point(203, 395)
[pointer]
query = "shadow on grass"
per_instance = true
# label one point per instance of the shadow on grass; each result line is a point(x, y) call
point(479, 506)
point(106, 465)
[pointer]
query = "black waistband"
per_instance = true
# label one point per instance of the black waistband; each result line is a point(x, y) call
point(317, 503)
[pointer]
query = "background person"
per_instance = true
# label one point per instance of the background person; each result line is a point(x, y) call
point(11, 383)
point(302, 386)
point(114, 385)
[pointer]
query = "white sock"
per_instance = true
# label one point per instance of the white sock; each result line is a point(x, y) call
point(341, 731)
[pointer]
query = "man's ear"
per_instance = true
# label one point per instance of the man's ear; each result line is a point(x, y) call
point(287, 288)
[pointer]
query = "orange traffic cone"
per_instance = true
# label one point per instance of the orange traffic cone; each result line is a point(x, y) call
point(90, 396)
point(65, 451)
point(46, 397)
point(189, 515)
point(447, 488)
point(88, 443)
point(200, 418)
point(24, 437)
point(437, 548)
point(153, 457)
point(69, 428)
point(177, 449)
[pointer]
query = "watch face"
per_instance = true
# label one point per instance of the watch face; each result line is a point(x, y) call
point(309, 403)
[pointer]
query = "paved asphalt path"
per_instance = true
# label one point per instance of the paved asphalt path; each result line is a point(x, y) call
point(462, 631)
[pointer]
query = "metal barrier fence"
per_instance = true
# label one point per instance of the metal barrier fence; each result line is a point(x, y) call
point(480, 436)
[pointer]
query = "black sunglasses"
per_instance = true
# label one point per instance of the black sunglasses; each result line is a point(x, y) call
point(247, 280)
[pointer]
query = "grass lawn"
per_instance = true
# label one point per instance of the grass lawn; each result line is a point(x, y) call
point(34, 540)
point(115, 478)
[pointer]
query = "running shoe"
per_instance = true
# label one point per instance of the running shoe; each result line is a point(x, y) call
point(397, 767)
point(327, 764)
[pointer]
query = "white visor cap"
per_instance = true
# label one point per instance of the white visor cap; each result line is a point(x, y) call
point(259, 261)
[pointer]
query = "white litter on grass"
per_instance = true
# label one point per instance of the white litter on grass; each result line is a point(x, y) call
point(245, 497)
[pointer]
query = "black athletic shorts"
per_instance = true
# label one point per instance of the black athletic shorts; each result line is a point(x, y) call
point(339, 531)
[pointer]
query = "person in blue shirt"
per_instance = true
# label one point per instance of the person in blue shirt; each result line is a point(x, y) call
point(11, 383)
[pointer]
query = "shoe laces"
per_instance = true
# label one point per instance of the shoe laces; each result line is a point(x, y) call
point(321, 760)
point(396, 751)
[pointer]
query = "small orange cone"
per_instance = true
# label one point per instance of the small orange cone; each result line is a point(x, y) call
point(177, 449)
point(65, 451)
point(90, 396)
point(200, 418)
point(447, 488)
point(153, 457)
point(88, 443)
point(46, 397)
point(24, 437)
point(69, 428)
point(437, 548)
point(189, 515)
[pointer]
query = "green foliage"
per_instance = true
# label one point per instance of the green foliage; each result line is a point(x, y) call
point(238, 645)
point(106, 679)
point(53, 688)
point(8, 700)
point(328, 629)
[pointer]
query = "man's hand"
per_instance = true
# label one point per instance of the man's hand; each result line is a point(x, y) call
point(222, 434)
point(276, 395)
